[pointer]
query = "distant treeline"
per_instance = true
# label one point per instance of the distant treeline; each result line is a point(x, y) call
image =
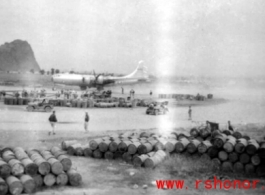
point(24, 79)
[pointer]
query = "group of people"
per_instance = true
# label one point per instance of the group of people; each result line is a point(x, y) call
point(132, 92)
point(67, 94)
point(33, 93)
point(53, 120)
point(42, 93)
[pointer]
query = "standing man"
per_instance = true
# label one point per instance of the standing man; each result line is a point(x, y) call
point(57, 95)
point(86, 122)
point(122, 90)
point(52, 120)
point(190, 113)
point(230, 127)
point(133, 93)
point(151, 93)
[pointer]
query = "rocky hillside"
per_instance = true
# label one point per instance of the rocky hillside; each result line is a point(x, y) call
point(17, 56)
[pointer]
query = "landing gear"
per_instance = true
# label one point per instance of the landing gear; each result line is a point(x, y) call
point(100, 88)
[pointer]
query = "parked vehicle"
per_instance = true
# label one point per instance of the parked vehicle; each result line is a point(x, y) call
point(156, 110)
point(40, 105)
point(101, 94)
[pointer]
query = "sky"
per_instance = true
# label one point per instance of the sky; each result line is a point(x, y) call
point(171, 37)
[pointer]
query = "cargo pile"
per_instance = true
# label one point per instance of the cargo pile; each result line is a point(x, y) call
point(89, 103)
point(27, 171)
point(177, 96)
point(83, 103)
point(130, 147)
point(185, 96)
point(231, 151)
point(16, 101)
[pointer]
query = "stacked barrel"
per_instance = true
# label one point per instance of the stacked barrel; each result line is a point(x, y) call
point(232, 151)
point(106, 104)
point(100, 103)
point(83, 103)
point(176, 96)
point(235, 152)
point(140, 149)
point(16, 101)
point(27, 171)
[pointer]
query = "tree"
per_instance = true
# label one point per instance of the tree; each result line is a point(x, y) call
point(32, 71)
point(57, 71)
point(52, 71)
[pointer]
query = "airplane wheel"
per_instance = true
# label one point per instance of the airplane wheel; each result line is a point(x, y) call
point(48, 109)
point(30, 108)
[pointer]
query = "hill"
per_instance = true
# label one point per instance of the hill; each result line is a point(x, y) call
point(17, 56)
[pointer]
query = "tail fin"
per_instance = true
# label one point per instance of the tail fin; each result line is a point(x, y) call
point(139, 72)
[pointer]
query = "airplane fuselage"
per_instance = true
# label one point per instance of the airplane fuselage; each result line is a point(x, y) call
point(100, 80)
point(89, 80)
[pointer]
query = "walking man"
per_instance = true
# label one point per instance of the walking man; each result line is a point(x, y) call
point(52, 120)
point(151, 93)
point(190, 113)
point(86, 122)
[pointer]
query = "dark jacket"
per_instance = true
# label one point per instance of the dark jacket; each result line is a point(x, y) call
point(53, 118)
point(190, 111)
point(87, 118)
point(230, 128)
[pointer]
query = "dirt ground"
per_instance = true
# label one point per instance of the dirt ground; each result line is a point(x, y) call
point(30, 129)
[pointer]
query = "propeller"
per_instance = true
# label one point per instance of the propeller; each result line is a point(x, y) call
point(96, 77)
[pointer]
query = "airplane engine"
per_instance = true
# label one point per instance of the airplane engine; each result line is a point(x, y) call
point(100, 80)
